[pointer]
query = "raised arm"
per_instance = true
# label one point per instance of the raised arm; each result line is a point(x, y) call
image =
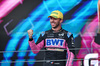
point(35, 47)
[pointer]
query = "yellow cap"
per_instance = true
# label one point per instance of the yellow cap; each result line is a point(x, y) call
point(56, 14)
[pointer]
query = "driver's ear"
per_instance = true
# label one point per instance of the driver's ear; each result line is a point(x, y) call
point(61, 20)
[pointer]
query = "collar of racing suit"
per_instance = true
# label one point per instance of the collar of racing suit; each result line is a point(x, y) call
point(55, 31)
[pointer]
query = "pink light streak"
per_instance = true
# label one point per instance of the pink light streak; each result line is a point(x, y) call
point(7, 6)
point(88, 41)
point(88, 36)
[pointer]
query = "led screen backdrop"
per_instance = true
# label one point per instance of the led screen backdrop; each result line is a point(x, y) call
point(17, 16)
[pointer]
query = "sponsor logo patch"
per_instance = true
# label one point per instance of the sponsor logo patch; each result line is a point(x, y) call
point(54, 42)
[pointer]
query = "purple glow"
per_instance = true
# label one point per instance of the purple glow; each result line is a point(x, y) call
point(6, 26)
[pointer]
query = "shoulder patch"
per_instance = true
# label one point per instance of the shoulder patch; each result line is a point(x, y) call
point(64, 31)
point(69, 34)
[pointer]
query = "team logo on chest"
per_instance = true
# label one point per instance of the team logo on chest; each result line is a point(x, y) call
point(61, 34)
point(54, 42)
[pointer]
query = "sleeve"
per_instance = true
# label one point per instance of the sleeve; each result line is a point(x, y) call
point(70, 50)
point(36, 47)
point(70, 43)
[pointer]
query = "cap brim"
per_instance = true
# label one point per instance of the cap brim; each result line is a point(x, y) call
point(51, 16)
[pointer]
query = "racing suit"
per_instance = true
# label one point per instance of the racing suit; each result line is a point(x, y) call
point(56, 45)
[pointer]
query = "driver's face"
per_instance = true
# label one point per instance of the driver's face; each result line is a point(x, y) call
point(55, 22)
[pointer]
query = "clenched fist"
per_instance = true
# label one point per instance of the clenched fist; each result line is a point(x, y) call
point(30, 33)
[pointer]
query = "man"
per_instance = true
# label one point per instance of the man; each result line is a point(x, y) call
point(55, 41)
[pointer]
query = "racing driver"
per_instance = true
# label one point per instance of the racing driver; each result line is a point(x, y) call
point(56, 41)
